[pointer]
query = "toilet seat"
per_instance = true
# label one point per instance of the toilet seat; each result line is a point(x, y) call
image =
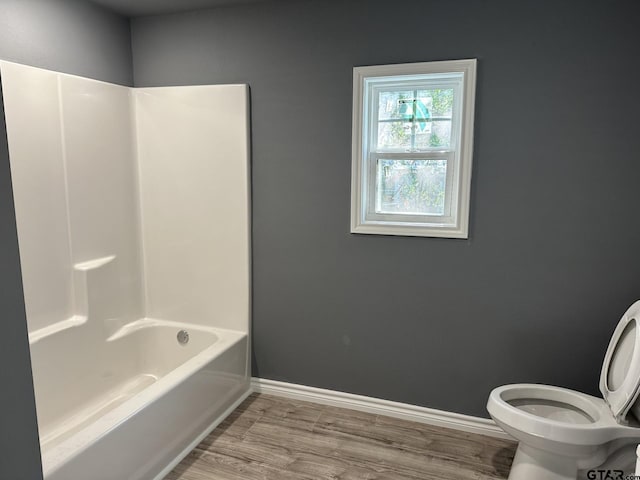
point(620, 375)
point(601, 428)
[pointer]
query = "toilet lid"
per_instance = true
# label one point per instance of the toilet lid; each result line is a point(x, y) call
point(620, 376)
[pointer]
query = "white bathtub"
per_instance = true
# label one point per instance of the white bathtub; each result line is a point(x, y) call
point(130, 406)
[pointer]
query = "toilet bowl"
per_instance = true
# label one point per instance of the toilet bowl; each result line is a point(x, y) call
point(562, 433)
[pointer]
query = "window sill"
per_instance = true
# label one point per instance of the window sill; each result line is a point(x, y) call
point(411, 229)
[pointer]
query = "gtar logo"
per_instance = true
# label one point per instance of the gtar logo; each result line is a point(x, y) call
point(605, 475)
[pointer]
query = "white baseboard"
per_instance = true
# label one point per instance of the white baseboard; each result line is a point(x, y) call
point(414, 413)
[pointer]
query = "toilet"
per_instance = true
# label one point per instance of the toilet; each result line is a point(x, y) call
point(564, 434)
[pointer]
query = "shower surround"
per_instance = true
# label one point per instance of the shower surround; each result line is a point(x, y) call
point(132, 207)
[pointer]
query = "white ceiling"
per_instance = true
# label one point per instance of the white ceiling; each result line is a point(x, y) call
point(136, 8)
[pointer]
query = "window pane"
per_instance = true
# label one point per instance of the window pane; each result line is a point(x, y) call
point(423, 139)
point(395, 105)
point(440, 134)
point(411, 186)
point(394, 135)
point(440, 100)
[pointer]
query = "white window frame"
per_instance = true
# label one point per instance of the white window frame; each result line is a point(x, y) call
point(367, 82)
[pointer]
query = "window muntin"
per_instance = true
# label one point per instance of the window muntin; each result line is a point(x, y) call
point(409, 148)
point(413, 120)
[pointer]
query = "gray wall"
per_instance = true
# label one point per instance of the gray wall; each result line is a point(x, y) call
point(72, 37)
point(553, 257)
point(20, 457)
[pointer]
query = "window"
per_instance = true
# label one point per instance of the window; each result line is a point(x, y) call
point(412, 148)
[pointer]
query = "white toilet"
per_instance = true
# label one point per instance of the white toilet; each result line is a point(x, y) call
point(562, 433)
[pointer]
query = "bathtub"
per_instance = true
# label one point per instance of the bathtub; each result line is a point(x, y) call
point(131, 404)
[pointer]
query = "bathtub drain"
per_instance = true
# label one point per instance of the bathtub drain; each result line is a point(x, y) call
point(183, 337)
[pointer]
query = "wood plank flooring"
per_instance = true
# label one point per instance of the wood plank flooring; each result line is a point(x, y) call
point(272, 438)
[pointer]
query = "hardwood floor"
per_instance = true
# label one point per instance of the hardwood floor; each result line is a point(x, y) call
point(272, 438)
